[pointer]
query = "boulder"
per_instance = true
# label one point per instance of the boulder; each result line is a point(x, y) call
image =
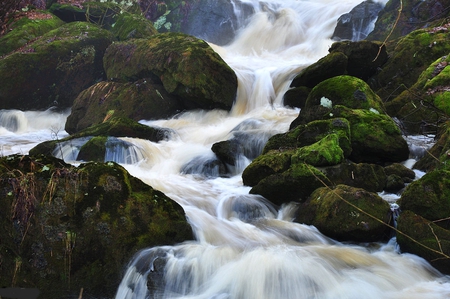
point(26, 29)
point(292, 185)
point(67, 228)
point(429, 197)
point(186, 66)
point(55, 68)
point(375, 137)
point(344, 90)
point(370, 177)
point(358, 23)
point(142, 99)
point(346, 214)
point(424, 238)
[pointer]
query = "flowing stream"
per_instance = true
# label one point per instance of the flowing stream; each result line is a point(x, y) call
point(245, 248)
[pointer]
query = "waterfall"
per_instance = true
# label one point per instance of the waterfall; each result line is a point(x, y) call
point(245, 247)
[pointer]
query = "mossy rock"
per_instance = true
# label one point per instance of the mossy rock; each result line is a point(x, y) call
point(324, 152)
point(68, 13)
point(296, 97)
point(272, 162)
point(292, 185)
point(27, 29)
point(400, 170)
point(77, 227)
point(344, 90)
point(53, 69)
point(412, 55)
point(429, 197)
point(93, 150)
point(334, 64)
point(424, 238)
point(187, 67)
point(438, 156)
point(343, 213)
point(422, 107)
point(311, 133)
point(375, 137)
point(370, 177)
point(129, 26)
point(364, 58)
point(142, 99)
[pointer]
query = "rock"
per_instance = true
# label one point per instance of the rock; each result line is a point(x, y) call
point(334, 64)
point(65, 228)
point(412, 54)
point(394, 183)
point(27, 29)
point(186, 66)
point(429, 197)
point(422, 107)
point(207, 167)
point(426, 239)
point(68, 13)
point(341, 90)
point(370, 177)
point(296, 97)
point(142, 99)
point(439, 154)
point(130, 25)
point(294, 184)
point(375, 138)
point(324, 152)
point(272, 162)
point(358, 23)
point(398, 176)
point(54, 69)
point(365, 58)
point(341, 214)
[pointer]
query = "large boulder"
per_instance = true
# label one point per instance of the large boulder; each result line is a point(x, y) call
point(186, 66)
point(292, 185)
point(429, 197)
point(142, 99)
point(346, 214)
point(67, 228)
point(358, 23)
point(424, 238)
point(55, 68)
point(344, 90)
point(29, 27)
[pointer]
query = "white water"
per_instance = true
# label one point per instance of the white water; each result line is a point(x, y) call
point(245, 248)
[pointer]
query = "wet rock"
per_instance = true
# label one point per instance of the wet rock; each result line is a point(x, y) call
point(358, 23)
point(53, 69)
point(340, 213)
point(370, 177)
point(426, 239)
point(439, 154)
point(186, 66)
point(66, 228)
point(294, 184)
point(341, 90)
point(429, 197)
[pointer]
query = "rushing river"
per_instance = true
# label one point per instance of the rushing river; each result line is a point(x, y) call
point(245, 248)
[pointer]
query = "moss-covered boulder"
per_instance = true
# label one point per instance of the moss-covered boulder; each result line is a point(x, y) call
point(68, 228)
point(129, 25)
point(424, 238)
point(429, 197)
point(26, 29)
point(344, 90)
point(370, 177)
point(411, 55)
point(142, 99)
point(375, 137)
point(438, 156)
point(55, 68)
point(294, 184)
point(426, 104)
point(324, 152)
point(346, 214)
point(186, 66)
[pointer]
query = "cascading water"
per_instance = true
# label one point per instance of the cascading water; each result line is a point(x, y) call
point(245, 247)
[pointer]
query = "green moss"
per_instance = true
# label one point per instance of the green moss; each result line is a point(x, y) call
point(94, 150)
point(26, 30)
point(132, 26)
point(325, 152)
